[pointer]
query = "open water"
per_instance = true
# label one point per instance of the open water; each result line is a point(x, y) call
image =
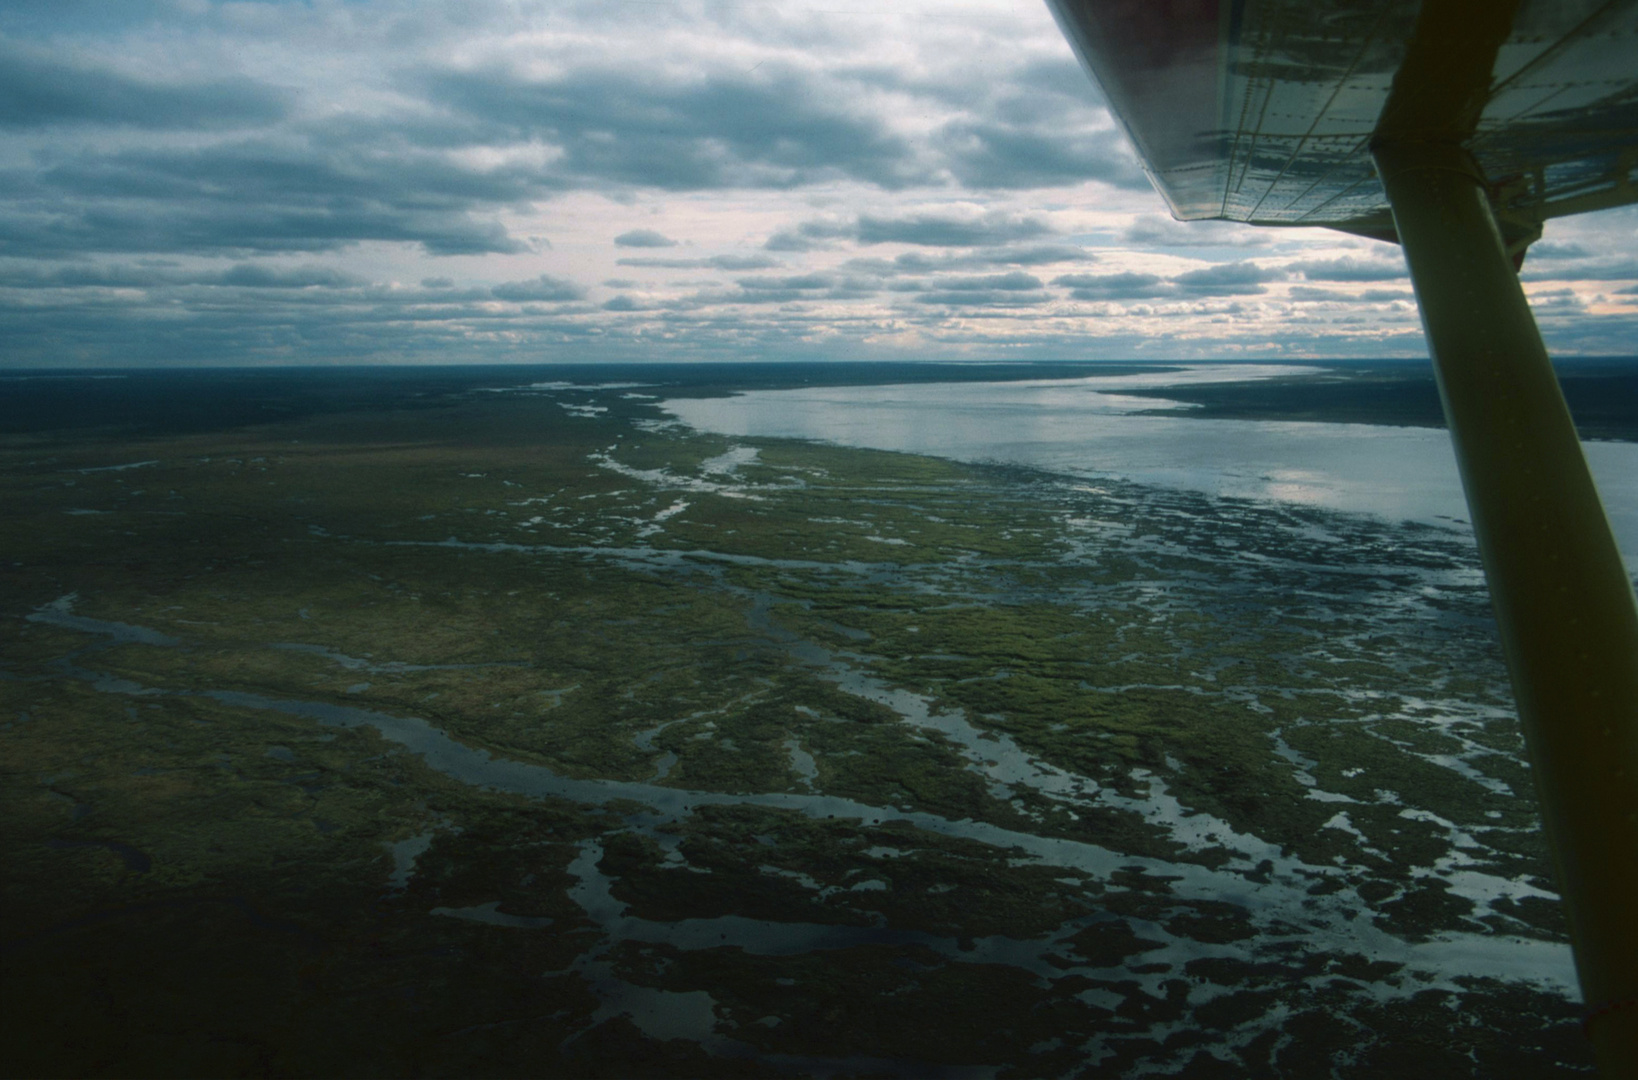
point(1088, 427)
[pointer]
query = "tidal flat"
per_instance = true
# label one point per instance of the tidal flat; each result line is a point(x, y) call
point(534, 733)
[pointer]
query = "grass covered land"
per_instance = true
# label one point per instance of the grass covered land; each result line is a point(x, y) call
point(525, 733)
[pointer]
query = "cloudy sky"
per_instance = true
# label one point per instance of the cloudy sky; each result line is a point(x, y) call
point(190, 182)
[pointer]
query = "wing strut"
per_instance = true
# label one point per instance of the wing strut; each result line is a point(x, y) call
point(1569, 625)
point(1563, 601)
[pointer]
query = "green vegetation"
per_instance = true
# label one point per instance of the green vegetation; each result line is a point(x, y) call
point(909, 765)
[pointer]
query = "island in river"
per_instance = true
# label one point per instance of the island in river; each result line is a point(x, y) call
point(459, 721)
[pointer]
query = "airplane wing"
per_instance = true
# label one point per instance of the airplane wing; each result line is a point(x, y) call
point(1262, 111)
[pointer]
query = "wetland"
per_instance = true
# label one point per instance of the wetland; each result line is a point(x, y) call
point(503, 724)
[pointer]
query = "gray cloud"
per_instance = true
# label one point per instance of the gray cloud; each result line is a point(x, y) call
point(39, 90)
point(279, 180)
point(544, 287)
point(1095, 287)
point(797, 282)
point(1037, 255)
point(250, 275)
point(644, 238)
point(125, 276)
point(707, 299)
point(1226, 279)
point(1552, 249)
point(1042, 125)
point(1558, 302)
point(314, 191)
point(1001, 298)
point(1368, 296)
point(925, 230)
point(713, 262)
point(682, 134)
point(999, 155)
point(810, 235)
point(1152, 230)
point(1348, 268)
point(918, 262)
point(938, 230)
point(89, 276)
point(1016, 281)
point(1583, 269)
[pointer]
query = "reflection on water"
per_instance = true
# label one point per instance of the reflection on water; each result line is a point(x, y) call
point(1086, 427)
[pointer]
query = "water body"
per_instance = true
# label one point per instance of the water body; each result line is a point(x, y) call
point(1088, 427)
point(1281, 897)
